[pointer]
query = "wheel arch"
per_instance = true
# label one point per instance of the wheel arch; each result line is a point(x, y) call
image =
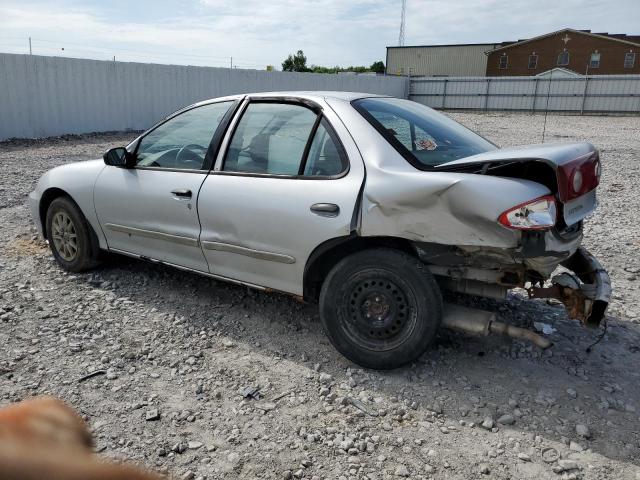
point(326, 255)
point(48, 196)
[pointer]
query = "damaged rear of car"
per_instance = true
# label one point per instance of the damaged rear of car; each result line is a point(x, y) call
point(482, 219)
point(550, 227)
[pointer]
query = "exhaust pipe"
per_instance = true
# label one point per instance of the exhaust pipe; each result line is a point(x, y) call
point(481, 322)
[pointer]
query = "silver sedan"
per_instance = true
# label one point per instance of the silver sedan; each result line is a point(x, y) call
point(371, 206)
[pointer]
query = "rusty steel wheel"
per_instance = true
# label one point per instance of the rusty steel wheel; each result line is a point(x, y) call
point(381, 314)
point(380, 308)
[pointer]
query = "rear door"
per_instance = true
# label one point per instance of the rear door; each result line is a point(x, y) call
point(150, 209)
point(287, 179)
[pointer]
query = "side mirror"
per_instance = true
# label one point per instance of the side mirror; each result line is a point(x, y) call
point(118, 157)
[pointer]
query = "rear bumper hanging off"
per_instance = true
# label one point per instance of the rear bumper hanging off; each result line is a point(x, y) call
point(585, 293)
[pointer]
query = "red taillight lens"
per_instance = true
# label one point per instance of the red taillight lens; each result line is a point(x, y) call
point(538, 214)
point(579, 176)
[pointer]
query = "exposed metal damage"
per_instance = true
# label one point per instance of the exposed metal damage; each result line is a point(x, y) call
point(585, 293)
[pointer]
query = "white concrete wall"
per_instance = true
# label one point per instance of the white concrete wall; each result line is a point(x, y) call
point(595, 93)
point(47, 96)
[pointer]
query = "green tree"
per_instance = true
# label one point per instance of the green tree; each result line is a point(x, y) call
point(321, 69)
point(295, 63)
point(298, 63)
point(377, 67)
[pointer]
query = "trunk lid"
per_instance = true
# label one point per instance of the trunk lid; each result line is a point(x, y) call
point(570, 170)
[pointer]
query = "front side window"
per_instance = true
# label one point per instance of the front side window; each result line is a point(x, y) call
point(504, 62)
point(629, 59)
point(594, 61)
point(563, 58)
point(182, 142)
point(533, 61)
point(423, 136)
point(272, 138)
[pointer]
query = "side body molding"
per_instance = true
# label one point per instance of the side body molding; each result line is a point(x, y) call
point(249, 252)
point(140, 232)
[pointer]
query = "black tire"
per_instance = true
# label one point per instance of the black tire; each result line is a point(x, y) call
point(85, 254)
point(380, 308)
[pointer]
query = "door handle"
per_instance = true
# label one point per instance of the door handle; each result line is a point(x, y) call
point(325, 209)
point(181, 193)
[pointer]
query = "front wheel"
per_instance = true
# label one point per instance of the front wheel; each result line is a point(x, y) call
point(70, 237)
point(380, 308)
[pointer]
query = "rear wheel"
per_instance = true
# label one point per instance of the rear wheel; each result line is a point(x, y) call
point(70, 236)
point(380, 308)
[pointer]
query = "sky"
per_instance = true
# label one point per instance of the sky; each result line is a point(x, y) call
point(257, 33)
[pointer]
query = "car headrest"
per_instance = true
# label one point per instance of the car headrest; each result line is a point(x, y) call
point(259, 149)
point(331, 164)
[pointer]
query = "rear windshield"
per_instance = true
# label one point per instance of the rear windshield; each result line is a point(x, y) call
point(423, 136)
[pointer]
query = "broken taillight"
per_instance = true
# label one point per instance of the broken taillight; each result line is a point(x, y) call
point(538, 214)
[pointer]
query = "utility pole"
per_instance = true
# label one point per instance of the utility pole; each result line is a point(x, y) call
point(402, 21)
point(30, 51)
point(586, 85)
point(546, 108)
point(231, 63)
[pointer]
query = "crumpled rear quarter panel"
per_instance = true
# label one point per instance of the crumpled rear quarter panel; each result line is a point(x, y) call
point(446, 208)
point(442, 207)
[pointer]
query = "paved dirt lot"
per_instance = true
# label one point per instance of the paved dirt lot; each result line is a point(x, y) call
point(186, 345)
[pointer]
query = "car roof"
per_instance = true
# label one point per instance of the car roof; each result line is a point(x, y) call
point(308, 94)
point(311, 94)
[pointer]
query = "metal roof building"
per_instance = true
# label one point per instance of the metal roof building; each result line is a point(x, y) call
point(459, 60)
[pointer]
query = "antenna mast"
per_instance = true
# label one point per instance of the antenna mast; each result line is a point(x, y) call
point(402, 20)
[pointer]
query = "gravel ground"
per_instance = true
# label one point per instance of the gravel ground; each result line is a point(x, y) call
point(175, 350)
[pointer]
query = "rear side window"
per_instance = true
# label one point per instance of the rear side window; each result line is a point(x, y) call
point(325, 158)
point(423, 136)
point(284, 139)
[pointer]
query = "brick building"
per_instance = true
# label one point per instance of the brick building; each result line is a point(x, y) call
point(578, 50)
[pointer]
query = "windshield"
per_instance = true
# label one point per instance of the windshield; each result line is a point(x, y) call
point(423, 136)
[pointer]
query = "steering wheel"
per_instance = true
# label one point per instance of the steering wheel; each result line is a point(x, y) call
point(189, 152)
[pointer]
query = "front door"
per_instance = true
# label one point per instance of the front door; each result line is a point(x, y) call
point(151, 209)
point(289, 181)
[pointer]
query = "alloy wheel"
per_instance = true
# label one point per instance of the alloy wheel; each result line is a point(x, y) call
point(64, 235)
